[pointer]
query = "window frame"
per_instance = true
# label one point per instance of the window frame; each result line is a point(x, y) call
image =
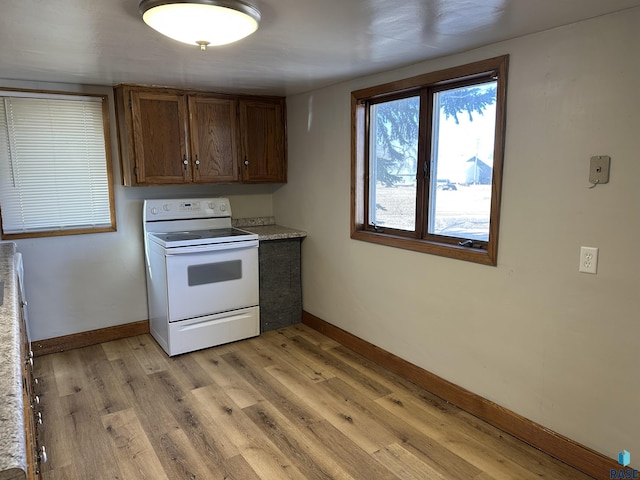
point(104, 100)
point(482, 252)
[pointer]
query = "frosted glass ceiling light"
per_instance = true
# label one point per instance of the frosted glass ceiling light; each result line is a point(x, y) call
point(201, 22)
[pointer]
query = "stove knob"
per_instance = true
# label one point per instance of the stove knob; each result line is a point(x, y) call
point(212, 205)
point(166, 207)
point(154, 211)
point(223, 207)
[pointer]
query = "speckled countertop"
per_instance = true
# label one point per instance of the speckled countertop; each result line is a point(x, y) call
point(13, 456)
point(267, 229)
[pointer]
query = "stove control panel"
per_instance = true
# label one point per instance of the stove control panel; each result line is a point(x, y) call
point(190, 206)
point(175, 209)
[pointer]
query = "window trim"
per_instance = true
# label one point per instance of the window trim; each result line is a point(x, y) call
point(360, 230)
point(17, 92)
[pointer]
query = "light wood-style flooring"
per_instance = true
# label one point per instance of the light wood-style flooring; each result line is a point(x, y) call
point(290, 404)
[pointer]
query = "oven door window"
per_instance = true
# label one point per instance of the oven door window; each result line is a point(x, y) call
point(208, 282)
point(214, 272)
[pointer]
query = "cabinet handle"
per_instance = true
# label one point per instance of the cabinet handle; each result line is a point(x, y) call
point(197, 162)
point(185, 162)
point(42, 455)
point(246, 162)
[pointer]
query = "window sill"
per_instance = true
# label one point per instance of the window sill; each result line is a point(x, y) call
point(475, 255)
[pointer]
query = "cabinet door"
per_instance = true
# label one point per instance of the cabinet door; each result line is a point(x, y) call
point(262, 126)
point(159, 137)
point(214, 146)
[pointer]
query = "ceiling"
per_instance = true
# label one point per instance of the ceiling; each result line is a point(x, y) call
point(301, 45)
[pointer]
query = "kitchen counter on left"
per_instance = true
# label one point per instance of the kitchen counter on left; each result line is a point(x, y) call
point(13, 456)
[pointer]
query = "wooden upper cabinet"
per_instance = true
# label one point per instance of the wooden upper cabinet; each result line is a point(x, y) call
point(170, 136)
point(159, 138)
point(262, 128)
point(214, 145)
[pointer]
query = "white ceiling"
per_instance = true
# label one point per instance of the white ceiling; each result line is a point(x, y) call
point(300, 45)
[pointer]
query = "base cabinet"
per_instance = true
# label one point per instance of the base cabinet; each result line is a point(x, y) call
point(36, 452)
point(280, 283)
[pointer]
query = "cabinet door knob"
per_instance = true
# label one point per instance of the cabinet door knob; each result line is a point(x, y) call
point(42, 455)
point(246, 162)
point(185, 162)
point(197, 161)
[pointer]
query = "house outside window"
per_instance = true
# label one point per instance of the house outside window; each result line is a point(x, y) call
point(427, 155)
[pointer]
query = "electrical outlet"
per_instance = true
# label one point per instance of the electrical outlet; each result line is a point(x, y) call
point(588, 260)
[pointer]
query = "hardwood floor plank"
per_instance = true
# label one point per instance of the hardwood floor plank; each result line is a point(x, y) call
point(424, 446)
point(88, 441)
point(256, 447)
point(238, 389)
point(389, 379)
point(134, 454)
point(148, 353)
point(271, 390)
point(189, 372)
point(531, 459)
point(282, 348)
point(406, 465)
point(456, 437)
point(66, 472)
point(209, 445)
point(354, 460)
point(288, 404)
point(367, 434)
point(101, 382)
point(212, 403)
point(313, 336)
point(306, 453)
point(155, 418)
point(361, 380)
point(69, 378)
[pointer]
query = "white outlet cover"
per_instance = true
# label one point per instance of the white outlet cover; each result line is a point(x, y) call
point(588, 260)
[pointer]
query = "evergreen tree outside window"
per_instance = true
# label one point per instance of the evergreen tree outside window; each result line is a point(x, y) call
point(427, 161)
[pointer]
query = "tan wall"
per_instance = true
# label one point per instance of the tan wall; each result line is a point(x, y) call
point(85, 282)
point(533, 334)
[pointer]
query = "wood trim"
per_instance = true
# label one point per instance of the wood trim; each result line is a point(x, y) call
point(419, 240)
point(92, 337)
point(564, 449)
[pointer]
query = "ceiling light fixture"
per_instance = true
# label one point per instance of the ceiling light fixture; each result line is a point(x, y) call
point(201, 22)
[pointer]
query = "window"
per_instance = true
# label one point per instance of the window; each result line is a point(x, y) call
point(55, 165)
point(427, 161)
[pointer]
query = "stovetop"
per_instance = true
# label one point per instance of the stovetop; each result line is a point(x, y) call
point(201, 237)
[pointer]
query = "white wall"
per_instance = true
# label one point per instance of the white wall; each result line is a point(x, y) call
point(85, 282)
point(532, 334)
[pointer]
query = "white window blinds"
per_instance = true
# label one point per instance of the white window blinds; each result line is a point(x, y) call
point(53, 165)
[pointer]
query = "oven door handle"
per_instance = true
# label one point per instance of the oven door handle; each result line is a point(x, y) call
point(212, 247)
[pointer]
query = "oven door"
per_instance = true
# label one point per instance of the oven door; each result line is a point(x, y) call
point(208, 279)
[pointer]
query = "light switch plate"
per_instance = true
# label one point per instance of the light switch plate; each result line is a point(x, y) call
point(599, 169)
